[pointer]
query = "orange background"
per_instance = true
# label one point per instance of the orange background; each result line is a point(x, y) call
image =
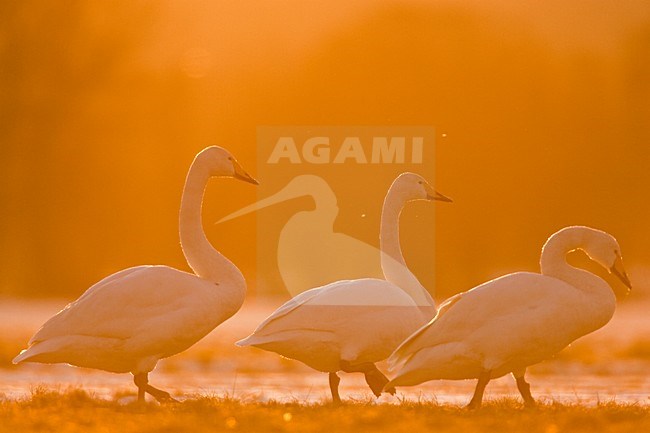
point(545, 108)
point(359, 189)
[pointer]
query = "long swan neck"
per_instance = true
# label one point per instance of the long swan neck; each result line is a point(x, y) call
point(553, 261)
point(389, 242)
point(205, 261)
point(600, 301)
point(393, 264)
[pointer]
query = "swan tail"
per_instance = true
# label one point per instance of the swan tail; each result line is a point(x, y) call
point(22, 356)
point(47, 351)
point(418, 340)
point(454, 361)
point(251, 340)
point(282, 337)
point(30, 354)
point(395, 382)
point(404, 378)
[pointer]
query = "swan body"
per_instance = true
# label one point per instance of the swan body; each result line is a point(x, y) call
point(326, 325)
point(351, 324)
point(130, 320)
point(507, 324)
point(135, 317)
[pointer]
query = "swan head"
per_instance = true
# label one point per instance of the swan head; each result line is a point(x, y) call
point(603, 248)
point(414, 187)
point(220, 163)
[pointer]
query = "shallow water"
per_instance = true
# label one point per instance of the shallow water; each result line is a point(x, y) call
point(591, 371)
point(313, 387)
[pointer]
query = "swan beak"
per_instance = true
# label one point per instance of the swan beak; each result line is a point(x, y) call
point(619, 271)
point(242, 175)
point(437, 196)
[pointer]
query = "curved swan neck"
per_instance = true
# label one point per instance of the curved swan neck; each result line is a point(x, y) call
point(553, 260)
point(205, 261)
point(393, 264)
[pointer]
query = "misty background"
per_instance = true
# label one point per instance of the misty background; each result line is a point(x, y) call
point(544, 107)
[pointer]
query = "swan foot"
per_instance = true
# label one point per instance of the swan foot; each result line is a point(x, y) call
point(141, 380)
point(530, 404)
point(160, 395)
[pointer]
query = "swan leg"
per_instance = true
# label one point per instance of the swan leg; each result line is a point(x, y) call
point(141, 380)
point(477, 399)
point(524, 390)
point(374, 378)
point(334, 387)
point(377, 381)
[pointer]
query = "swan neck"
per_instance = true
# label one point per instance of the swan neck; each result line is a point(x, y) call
point(393, 264)
point(203, 258)
point(389, 241)
point(599, 299)
point(553, 262)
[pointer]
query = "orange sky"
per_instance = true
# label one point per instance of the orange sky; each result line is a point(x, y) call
point(544, 109)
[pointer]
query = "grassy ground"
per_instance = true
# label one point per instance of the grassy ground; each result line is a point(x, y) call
point(77, 411)
point(275, 394)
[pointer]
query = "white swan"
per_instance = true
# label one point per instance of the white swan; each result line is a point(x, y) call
point(507, 324)
point(131, 319)
point(349, 325)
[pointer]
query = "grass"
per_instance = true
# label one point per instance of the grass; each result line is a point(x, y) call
point(77, 411)
point(62, 410)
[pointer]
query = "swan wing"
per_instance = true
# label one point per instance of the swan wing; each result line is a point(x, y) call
point(154, 303)
point(523, 302)
point(289, 306)
point(345, 293)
